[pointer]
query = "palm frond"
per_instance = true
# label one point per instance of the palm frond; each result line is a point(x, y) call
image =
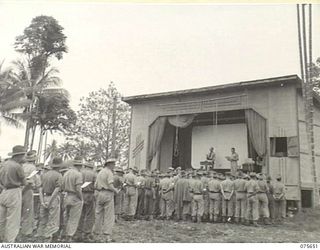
point(11, 121)
point(14, 105)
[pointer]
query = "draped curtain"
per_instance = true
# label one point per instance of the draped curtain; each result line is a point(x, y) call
point(257, 131)
point(156, 133)
point(181, 121)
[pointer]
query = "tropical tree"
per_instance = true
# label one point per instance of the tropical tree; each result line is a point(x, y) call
point(95, 126)
point(40, 42)
point(12, 99)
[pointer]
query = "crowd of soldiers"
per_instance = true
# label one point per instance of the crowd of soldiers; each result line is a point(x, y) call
point(77, 201)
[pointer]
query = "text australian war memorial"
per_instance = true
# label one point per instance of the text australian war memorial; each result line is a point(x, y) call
point(262, 119)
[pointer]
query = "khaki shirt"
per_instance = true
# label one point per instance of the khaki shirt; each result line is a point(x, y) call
point(11, 174)
point(227, 185)
point(130, 179)
point(196, 186)
point(263, 187)
point(150, 182)
point(278, 188)
point(166, 184)
point(104, 179)
point(50, 181)
point(251, 186)
point(89, 176)
point(214, 186)
point(71, 179)
point(239, 185)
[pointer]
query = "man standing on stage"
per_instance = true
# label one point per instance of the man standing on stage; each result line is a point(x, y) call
point(211, 157)
point(105, 217)
point(233, 158)
point(11, 179)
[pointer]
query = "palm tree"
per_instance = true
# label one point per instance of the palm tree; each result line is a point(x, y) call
point(44, 84)
point(12, 98)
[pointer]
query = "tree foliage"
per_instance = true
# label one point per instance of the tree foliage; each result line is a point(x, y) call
point(40, 41)
point(93, 130)
point(315, 75)
point(12, 99)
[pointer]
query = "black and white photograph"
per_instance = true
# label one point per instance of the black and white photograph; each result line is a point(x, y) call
point(138, 122)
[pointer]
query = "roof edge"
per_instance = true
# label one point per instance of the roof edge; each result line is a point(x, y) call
point(251, 83)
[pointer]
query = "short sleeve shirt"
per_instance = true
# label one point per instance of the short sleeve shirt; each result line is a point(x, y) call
point(214, 185)
point(197, 187)
point(11, 174)
point(104, 179)
point(251, 186)
point(89, 176)
point(130, 179)
point(263, 187)
point(50, 181)
point(239, 185)
point(71, 180)
point(227, 185)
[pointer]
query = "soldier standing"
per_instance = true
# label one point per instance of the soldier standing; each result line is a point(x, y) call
point(279, 200)
point(88, 209)
point(71, 184)
point(131, 194)
point(227, 190)
point(167, 204)
point(214, 190)
point(263, 199)
point(233, 158)
point(241, 199)
point(270, 199)
point(197, 198)
point(49, 218)
point(140, 185)
point(27, 211)
point(206, 201)
point(105, 217)
point(118, 197)
point(252, 188)
point(149, 195)
point(11, 179)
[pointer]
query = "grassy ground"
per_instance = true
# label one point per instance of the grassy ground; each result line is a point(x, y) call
point(304, 227)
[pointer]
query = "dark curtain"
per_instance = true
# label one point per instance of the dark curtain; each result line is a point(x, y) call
point(257, 131)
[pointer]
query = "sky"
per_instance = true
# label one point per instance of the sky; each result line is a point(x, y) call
point(149, 48)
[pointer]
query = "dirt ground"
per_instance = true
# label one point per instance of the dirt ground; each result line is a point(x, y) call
point(303, 227)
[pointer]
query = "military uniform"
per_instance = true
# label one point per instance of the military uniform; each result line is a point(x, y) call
point(131, 195)
point(263, 200)
point(72, 181)
point(105, 216)
point(206, 200)
point(279, 200)
point(49, 217)
point(119, 197)
point(11, 179)
point(27, 210)
point(167, 204)
point(241, 199)
point(149, 196)
point(270, 200)
point(197, 204)
point(88, 210)
point(227, 188)
point(252, 188)
point(141, 191)
point(214, 189)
